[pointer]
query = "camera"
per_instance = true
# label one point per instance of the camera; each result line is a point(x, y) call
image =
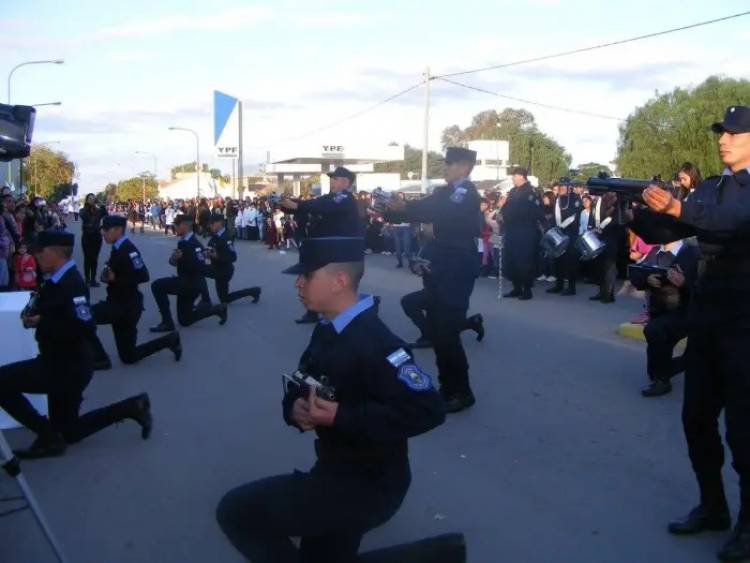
point(303, 382)
point(16, 129)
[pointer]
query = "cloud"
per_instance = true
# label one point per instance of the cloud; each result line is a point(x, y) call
point(228, 19)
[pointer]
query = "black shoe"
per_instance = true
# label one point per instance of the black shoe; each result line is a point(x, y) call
point(459, 402)
point(176, 346)
point(422, 342)
point(399, 265)
point(255, 293)
point(569, 291)
point(657, 388)
point(139, 409)
point(307, 318)
point(737, 547)
point(610, 299)
point(514, 293)
point(555, 289)
point(526, 295)
point(50, 446)
point(701, 519)
point(162, 327)
point(597, 297)
point(102, 365)
point(222, 312)
point(476, 323)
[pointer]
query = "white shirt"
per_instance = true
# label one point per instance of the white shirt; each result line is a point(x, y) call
point(169, 215)
point(584, 226)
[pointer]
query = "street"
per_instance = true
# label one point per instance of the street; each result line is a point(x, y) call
point(561, 459)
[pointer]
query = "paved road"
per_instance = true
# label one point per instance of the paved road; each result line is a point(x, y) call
point(560, 460)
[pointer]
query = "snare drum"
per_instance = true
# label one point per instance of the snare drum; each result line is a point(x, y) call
point(590, 245)
point(555, 242)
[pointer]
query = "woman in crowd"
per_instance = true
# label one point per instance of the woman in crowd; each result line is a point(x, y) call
point(91, 215)
point(547, 263)
point(689, 177)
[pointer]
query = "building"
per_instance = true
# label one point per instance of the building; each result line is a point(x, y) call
point(304, 161)
point(493, 160)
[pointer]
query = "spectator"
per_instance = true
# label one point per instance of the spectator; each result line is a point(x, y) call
point(402, 234)
point(24, 267)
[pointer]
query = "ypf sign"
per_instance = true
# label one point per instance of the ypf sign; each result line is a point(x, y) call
point(226, 126)
point(333, 151)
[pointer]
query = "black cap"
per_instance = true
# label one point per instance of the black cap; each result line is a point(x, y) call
point(460, 154)
point(342, 172)
point(182, 218)
point(564, 181)
point(318, 252)
point(216, 217)
point(53, 238)
point(520, 171)
point(736, 120)
point(110, 221)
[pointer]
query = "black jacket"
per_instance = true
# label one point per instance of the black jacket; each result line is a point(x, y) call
point(66, 327)
point(130, 271)
point(384, 398)
point(570, 207)
point(331, 215)
point(192, 265)
point(226, 256)
point(91, 219)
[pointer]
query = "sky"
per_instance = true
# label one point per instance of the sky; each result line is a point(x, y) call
point(133, 69)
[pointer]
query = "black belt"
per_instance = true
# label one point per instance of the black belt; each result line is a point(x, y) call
point(374, 454)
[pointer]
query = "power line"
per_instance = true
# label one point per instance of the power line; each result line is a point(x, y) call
point(594, 47)
point(349, 117)
point(530, 102)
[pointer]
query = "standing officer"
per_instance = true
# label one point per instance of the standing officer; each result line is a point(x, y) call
point(222, 256)
point(381, 398)
point(567, 218)
point(65, 329)
point(454, 212)
point(522, 214)
point(334, 214)
point(717, 376)
point(123, 273)
point(187, 285)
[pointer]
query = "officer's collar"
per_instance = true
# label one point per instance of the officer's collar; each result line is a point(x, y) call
point(342, 320)
point(54, 278)
point(460, 182)
point(728, 171)
point(118, 243)
point(675, 249)
point(188, 236)
point(221, 232)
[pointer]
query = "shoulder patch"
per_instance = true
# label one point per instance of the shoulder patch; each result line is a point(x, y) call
point(414, 378)
point(458, 195)
point(136, 260)
point(81, 306)
point(398, 358)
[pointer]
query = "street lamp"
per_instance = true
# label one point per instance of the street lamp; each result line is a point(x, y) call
point(46, 104)
point(10, 75)
point(152, 155)
point(197, 153)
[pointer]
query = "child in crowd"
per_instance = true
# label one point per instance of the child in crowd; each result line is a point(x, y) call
point(271, 234)
point(290, 232)
point(24, 268)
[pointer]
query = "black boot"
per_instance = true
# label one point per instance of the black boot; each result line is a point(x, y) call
point(476, 323)
point(138, 408)
point(308, 317)
point(163, 327)
point(557, 288)
point(52, 445)
point(570, 291)
point(517, 291)
point(255, 293)
point(701, 519)
point(657, 388)
point(459, 401)
point(221, 311)
point(597, 297)
point(176, 346)
point(526, 294)
point(737, 547)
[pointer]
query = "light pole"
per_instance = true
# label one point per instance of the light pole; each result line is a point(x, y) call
point(197, 154)
point(46, 104)
point(10, 75)
point(152, 155)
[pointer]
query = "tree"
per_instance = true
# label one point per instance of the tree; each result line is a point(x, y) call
point(187, 167)
point(132, 188)
point(675, 127)
point(413, 163)
point(529, 147)
point(586, 171)
point(46, 169)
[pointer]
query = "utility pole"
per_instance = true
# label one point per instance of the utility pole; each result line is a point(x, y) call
point(425, 145)
point(239, 156)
